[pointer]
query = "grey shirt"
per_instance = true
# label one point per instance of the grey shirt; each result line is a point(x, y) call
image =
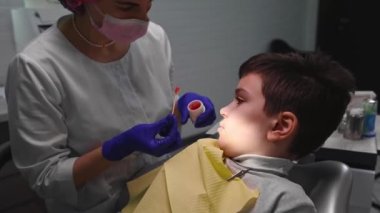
point(277, 193)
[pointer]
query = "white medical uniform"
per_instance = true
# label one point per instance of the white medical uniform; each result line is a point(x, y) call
point(63, 104)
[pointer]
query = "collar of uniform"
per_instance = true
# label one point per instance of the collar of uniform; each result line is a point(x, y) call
point(277, 166)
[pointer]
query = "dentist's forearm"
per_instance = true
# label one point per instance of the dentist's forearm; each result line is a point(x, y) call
point(89, 166)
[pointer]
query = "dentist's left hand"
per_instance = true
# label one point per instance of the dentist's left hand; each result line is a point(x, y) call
point(206, 118)
point(142, 138)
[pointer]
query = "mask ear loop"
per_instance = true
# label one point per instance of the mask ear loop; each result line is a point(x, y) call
point(90, 17)
point(95, 25)
point(99, 11)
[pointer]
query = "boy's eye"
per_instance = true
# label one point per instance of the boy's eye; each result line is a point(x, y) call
point(239, 100)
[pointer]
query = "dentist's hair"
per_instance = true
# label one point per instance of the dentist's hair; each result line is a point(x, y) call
point(75, 6)
point(314, 87)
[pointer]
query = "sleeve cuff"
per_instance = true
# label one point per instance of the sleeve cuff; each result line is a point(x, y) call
point(66, 187)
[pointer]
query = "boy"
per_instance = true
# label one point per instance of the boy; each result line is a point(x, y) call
point(285, 107)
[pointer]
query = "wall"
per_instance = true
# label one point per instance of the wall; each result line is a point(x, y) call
point(347, 31)
point(211, 38)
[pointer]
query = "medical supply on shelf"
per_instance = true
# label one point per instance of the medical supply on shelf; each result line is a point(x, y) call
point(370, 111)
point(354, 123)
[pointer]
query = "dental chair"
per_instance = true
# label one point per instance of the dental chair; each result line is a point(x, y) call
point(15, 194)
point(5, 153)
point(327, 183)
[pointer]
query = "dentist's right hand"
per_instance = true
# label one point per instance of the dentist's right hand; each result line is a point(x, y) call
point(142, 138)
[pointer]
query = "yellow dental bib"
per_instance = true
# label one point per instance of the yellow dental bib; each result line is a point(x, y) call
point(194, 180)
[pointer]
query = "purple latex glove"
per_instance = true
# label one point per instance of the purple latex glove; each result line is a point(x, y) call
point(142, 138)
point(204, 119)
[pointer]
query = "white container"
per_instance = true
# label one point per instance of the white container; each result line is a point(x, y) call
point(354, 124)
point(195, 108)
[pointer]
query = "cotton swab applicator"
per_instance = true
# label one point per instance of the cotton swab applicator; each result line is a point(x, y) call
point(176, 97)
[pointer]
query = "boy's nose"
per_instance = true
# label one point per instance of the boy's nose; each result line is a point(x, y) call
point(223, 111)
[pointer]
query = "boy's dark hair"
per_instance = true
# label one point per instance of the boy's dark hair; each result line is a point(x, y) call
point(312, 86)
point(78, 9)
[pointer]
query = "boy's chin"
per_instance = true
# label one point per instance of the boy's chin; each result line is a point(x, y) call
point(223, 145)
point(228, 154)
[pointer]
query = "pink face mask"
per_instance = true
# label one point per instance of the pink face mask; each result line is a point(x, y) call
point(121, 30)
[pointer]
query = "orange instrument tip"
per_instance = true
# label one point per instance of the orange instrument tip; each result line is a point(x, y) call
point(177, 89)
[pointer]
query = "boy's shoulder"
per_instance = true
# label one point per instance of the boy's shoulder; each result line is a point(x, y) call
point(278, 194)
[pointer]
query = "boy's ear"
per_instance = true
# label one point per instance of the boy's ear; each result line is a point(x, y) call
point(284, 127)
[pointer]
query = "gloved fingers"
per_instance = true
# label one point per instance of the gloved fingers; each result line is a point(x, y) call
point(172, 140)
point(169, 143)
point(208, 116)
point(161, 147)
point(173, 132)
point(115, 148)
point(205, 119)
point(141, 138)
point(207, 103)
point(164, 132)
point(166, 129)
point(184, 116)
point(182, 107)
point(178, 143)
point(183, 101)
point(163, 124)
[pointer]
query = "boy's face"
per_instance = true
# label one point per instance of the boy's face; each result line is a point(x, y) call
point(244, 127)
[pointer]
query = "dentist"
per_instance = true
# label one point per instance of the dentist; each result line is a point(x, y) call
point(89, 104)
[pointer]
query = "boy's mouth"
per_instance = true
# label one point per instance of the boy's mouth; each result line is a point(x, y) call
point(221, 126)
